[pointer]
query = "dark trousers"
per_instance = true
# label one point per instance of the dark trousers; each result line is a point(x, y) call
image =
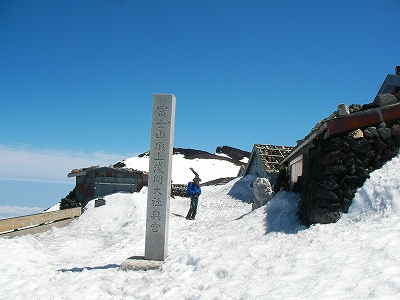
point(193, 207)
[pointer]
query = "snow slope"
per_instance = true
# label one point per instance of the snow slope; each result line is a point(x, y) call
point(208, 169)
point(228, 252)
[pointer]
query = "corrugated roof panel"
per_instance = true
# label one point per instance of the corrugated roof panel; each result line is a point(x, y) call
point(272, 155)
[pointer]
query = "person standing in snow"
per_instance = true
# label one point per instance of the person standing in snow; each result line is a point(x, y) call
point(194, 192)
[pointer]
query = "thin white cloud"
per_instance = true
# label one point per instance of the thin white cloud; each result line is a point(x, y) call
point(36, 180)
point(7, 211)
point(49, 165)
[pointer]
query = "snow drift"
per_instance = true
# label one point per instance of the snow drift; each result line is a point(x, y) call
point(229, 252)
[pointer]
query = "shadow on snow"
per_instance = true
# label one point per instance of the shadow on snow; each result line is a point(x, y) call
point(78, 270)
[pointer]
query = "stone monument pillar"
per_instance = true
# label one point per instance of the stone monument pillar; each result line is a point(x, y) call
point(159, 186)
point(159, 191)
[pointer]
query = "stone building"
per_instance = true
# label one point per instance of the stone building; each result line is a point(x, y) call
point(337, 156)
point(98, 181)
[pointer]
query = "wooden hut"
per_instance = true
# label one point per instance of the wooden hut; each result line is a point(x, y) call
point(265, 161)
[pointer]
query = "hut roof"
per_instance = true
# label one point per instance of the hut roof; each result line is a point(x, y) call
point(270, 156)
point(336, 124)
point(94, 169)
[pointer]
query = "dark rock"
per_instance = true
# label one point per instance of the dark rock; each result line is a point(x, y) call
point(329, 195)
point(368, 106)
point(386, 155)
point(323, 216)
point(329, 184)
point(120, 164)
point(194, 154)
point(368, 134)
point(373, 130)
point(350, 155)
point(384, 99)
point(368, 157)
point(362, 172)
point(358, 162)
point(335, 170)
point(363, 145)
point(344, 146)
point(348, 193)
point(381, 125)
point(348, 180)
point(395, 130)
point(385, 133)
point(333, 144)
point(331, 157)
point(378, 144)
point(331, 205)
point(349, 162)
point(346, 205)
point(351, 170)
point(350, 141)
point(66, 203)
point(391, 145)
point(234, 153)
point(339, 162)
point(353, 108)
point(376, 163)
point(339, 193)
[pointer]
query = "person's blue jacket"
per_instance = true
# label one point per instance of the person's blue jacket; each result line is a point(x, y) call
point(193, 189)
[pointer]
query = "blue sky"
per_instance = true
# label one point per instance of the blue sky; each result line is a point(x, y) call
point(77, 78)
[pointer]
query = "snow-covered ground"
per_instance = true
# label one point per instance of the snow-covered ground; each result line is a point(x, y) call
point(228, 252)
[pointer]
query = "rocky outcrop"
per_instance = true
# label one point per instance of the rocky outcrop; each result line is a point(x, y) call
point(69, 201)
point(234, 153)
point(338, 165)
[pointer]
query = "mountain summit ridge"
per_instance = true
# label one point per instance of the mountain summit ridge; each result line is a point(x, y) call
point(226, 163)
point(234, 155)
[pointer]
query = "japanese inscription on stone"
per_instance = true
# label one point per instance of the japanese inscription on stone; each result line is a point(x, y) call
point(159, 181)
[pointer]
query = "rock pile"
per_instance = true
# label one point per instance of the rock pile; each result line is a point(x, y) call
point(69, 201)
point(338, 165)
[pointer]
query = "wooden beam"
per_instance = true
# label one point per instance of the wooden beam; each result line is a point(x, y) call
point(19, 223)
point(37, 229)
point(364, 118)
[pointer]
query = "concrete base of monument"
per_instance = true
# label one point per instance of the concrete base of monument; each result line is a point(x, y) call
point(139, 263)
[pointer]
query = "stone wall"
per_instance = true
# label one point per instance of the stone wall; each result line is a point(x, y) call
point(338, 165)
